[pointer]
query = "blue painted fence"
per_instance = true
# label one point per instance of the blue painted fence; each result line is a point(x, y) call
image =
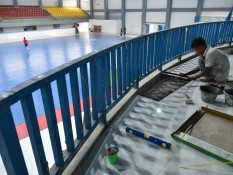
point(113, 72)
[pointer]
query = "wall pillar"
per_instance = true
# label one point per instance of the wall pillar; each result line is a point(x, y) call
point(123, 12)
point(106, 13)
point(92, 8)
point(144, 7)
point(78, 3)
point(168, 14)
point(15, 2)
point(199, 10)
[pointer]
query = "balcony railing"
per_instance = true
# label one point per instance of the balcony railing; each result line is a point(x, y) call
point(105, 76)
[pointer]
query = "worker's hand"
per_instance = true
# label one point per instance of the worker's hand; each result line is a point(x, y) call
point(182, 75)
point(191, 78)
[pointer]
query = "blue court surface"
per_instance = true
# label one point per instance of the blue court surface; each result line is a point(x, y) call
point(18, 65)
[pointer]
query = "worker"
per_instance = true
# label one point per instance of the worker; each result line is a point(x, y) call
point(121, 33)
point(213, 64)
point(25, 41)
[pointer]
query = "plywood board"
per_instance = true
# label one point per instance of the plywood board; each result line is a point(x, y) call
point(214, 130)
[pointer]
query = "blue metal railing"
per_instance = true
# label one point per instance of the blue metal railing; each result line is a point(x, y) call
point(105, 76)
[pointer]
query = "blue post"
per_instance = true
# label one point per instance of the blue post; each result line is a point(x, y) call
point(140, 57)
point(132, 73)
point(85, 93)
point(10, 149)
point(65, 111)
point(124, 63)
point(119, 71)
point(34, 133)
point(114, 80)
point(128, 69)
point(144, 70)
point(107, 78)
point(136, 60)
point(49, 108)
point(131, 63)
point(76, 103)
point(101, 88)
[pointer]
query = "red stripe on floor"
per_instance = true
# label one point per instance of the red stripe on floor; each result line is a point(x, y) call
point(22, 128)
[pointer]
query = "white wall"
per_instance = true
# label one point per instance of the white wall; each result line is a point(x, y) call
point(215, 14)
point(27, 2)
point(217, 3)
point(185, 3)
point(107, 26)
point(99, 15)
point(84, 27)
point(45, 27)
point(114, 4)
point(50, 2)
point(6, 2)
point(85, 4)
point(70, 3)
point(13, 29)
point(182, 18)
point(115, 15)
point(133, 4)
point(156, 4)
point(156, 17)
point(64, 26)
point(98, 4)
point(31, 35)
point(133, 22)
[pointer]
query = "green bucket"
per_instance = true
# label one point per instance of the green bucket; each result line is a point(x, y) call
point(113, 158)
point(112, 154)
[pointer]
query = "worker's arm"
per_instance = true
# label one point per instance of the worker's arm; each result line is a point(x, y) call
point(204, 72)
point(195, 70)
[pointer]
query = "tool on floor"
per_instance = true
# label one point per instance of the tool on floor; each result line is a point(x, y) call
point(201, 165)
point(175, 75)
point(151, 139)
point(188, 100)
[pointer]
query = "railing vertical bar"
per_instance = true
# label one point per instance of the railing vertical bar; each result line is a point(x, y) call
point(149, 54)
point(34, 134)
point(140, 57)
point(85, 93)
point(132, 66)
point(128, 65)
point(136, 55)
point(107, 78)
point(101, 87)
point(65, 111)
point(10, 149)
point(170, 46)
point(160, 50)
point(76, 103)
point(153, 54)
point(47, 97)
point(119, 71)
point(164, 45)
point(144, 55)
point(94, 85)
point(113, 65)
point(124, 63)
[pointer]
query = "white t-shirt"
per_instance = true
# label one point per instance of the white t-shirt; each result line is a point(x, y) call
point(217, 60)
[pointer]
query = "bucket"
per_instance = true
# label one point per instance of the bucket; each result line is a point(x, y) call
point(209, 93)
point(229, 96)
point(112, 154)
